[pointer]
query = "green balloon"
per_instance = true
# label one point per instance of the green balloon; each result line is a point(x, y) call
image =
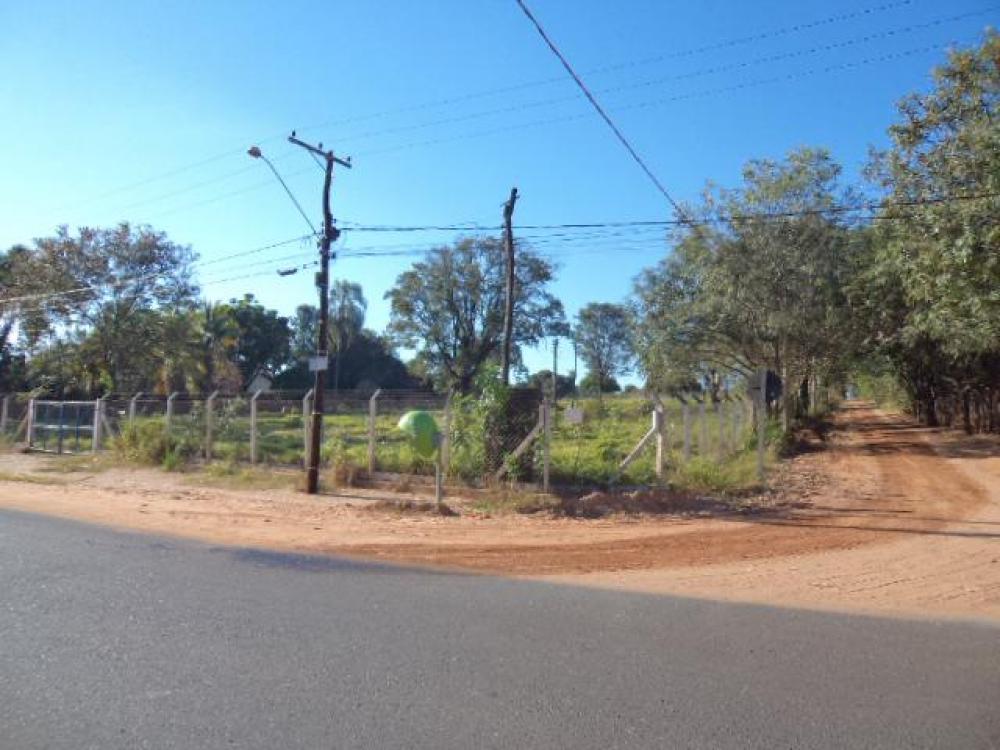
point(422, 430)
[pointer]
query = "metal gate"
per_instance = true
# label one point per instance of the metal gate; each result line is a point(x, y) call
point(64, 426)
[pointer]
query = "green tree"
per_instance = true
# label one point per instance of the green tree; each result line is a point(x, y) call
point(264, 336)
point(761, 283)
point(603, 336)
point(106, 286)
point(347, 318)
point(449, 307)
point(927, 292)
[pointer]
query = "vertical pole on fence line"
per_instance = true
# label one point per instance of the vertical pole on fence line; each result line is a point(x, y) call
point(703, 432)
point(446, 440)
point(132, 407)
point(209, 423)
point(4, 413)
point(720, 413)
point(31, 423)
point(737, 419)
point(546, 444)
point(170, 412)
point(306, 411)
point(96, 436)
point(686, 413)
point(253, 427)
point(761, 421)
point(59, 433)
point(372, 414)
point(658, 425)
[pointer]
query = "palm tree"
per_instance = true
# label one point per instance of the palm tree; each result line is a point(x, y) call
point(218, 335)
point(347, 317)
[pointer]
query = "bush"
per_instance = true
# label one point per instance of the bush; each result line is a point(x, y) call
point(146, 442)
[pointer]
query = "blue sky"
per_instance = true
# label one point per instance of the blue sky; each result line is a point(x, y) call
point(143, 111)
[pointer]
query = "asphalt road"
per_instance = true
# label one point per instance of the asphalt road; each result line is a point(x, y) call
point(111, 640)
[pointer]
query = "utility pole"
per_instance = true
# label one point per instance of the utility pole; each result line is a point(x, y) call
point(508, 312)
point(330, 235)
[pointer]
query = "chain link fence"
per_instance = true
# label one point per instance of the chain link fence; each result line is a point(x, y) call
point(622, 439)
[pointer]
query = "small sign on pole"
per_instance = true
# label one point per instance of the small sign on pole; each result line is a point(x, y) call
point(573, 416)
point(318, 363)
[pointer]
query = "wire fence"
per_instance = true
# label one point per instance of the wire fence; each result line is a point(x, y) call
point(624, 439)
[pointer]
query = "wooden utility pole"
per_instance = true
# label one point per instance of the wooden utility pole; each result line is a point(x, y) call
point(330, 235)
point(508, 312)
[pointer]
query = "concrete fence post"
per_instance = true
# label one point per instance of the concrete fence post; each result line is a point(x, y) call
point(686, 414)
point(659, 424)
point(703, 432)
point(168, 418)
point(546, 416)
point(761, 421)
point(4, 414)
point(133, 402)
point(96, 436)
point(446, 439)
point(720, 415)
point(209, 424)
point(253, 427)
point(306, 411)
point(737, 425)
point(30, 431)
point(372, 416)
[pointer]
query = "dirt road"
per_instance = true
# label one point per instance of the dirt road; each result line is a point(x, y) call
point(887, 517)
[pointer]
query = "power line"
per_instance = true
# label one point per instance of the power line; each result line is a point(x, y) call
point(600, 110)
point(447, 101)
point(672, 222)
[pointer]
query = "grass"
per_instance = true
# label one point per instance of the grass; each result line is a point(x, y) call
point(11, 476)
point(584, 455)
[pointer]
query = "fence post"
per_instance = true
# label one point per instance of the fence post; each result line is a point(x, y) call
point(372, 415)
point(446, 440)
point(720, 414)
point(31, 423)
point(132, 407)
point(703, 433)
point(686, 412)
point(253, 427)
point(96, 436)
point(4, 414)
point(546, 441)
point(737, 424)
point(306, 411)
point(209, 423)
point(761, 421)
point(170, 413)
point(658, 425)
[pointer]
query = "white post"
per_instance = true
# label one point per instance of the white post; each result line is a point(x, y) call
point(372, 415)
point(686, 412)
point(737, 425)
point(306, 411)
point(546, 444)
point(720, 413)
point(446, 438)
point(96, 436)
point(4, 414)
point(170, 412)
point(132, 408)
point(658, 425)
point(31, 423)
point(253, 427)
point(209, 424)
point(761, 421)
point(703, 434)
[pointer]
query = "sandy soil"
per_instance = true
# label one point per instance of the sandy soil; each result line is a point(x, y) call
point(887, 517)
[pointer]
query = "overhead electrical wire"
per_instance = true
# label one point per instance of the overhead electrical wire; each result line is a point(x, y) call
point(447, 101)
